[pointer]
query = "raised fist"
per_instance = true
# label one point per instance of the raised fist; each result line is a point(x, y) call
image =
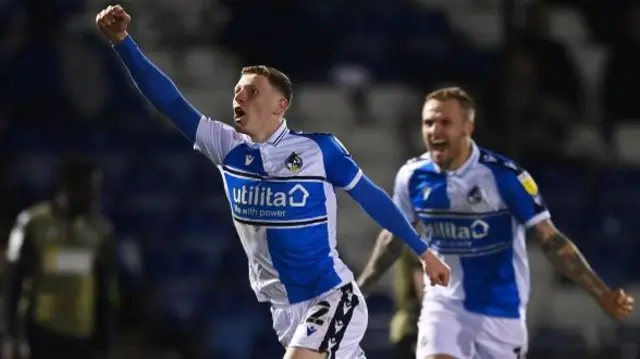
point(113, 21)
point(617, 303)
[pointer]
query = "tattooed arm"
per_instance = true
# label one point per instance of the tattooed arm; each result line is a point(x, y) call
point(566, 258)
point(386, 251)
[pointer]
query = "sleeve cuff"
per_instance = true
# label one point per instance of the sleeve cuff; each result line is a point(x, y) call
point(354, 181)
point(537, 219)
point(127, 42)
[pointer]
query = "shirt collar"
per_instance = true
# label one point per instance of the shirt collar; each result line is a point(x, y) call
point(277, 136)
point(473, 158)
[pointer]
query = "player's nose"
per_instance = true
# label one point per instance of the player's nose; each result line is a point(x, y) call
point(240, 97)
point(436, 130)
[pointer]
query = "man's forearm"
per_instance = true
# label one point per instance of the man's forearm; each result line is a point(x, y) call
point(380, 207)
point(386, 251)
point(568, 260)
point(159, 89)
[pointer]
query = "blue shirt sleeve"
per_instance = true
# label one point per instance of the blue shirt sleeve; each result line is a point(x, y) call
point(159, 89)
point(342, 171)
point(379, 206)
point(340, 168)
point(521, 194)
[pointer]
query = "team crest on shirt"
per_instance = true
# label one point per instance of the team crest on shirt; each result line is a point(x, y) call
point(528, 183)
point(474, 196)
point(293, 162)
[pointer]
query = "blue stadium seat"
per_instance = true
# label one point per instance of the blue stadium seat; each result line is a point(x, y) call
point(36, 172)
point(233, 264)
point(381, 303)
point(206, 178)
point(179, 166)
point(628, 333)
point(563, 179)
point(160, 138)
point(549, 337)
point(615, 180)
point(235, 332)
point(267, 346)
point(158, 263)
point(181, 296)
point(432, 23)
point(28, 140)
point(148, 176)
point(115, 168)
point(95, 140)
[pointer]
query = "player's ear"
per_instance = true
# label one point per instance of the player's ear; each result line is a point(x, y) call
point(469, 123)
point(469, 127)
point(282, 106)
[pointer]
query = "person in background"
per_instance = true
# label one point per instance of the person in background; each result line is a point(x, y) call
point(478, 209)
point(621, 76)
point(60, 262)
point(407, 286)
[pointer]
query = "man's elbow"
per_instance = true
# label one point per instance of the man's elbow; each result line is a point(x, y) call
point(550, 238)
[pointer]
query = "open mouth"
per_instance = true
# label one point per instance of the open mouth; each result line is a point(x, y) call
point(438, 145)
point(238, 113)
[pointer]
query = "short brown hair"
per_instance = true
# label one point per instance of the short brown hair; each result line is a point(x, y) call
point(277, 79)
point(455, 93)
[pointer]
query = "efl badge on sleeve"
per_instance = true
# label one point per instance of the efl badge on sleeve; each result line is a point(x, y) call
point(528, 183)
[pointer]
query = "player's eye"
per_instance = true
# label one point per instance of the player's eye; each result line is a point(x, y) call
point(427, 123)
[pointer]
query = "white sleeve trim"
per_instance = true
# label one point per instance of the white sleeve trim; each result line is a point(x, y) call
point(16, 237)
point(196, 146)
point(537, 219)
point(354, 181)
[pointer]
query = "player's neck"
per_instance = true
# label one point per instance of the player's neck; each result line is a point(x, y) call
point(465, 153)
point(268, 131)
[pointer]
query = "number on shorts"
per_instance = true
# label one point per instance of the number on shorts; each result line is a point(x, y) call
point(518, 352)
point(318, 312)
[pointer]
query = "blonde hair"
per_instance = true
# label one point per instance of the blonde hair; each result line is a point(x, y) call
point(276, 78)
point(458, 94)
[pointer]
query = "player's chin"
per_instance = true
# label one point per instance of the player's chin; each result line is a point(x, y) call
point(240, 124)
point(439, 156)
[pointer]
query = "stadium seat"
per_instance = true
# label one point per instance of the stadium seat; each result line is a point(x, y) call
point(625, 140)
point(569, 312)
point(34, 171)
point(549, 337)
point(483, 27)
point(115, 168)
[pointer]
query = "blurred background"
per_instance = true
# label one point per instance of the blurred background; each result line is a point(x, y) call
point(557, 85)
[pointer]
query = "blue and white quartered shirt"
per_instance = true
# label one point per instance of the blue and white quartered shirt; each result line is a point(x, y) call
point(476, 217)
point(283, 203)
point(281, 192)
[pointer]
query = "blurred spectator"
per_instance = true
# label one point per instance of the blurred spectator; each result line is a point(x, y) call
point(541, 117)
point(556, 72)
point(622, 75)
point(545, 93)
point(12, 194)
point(63, 248)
